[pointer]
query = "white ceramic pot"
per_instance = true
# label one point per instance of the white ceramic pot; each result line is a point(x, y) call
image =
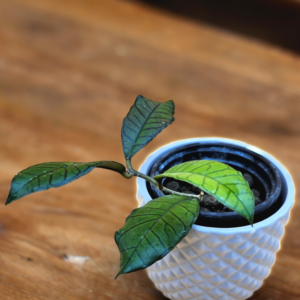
point(219, 263)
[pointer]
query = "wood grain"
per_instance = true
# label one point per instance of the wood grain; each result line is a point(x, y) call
point(69, 71)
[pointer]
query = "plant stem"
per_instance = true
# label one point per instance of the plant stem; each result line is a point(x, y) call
point(133, 172)
point(164, 189)
point(138, 174)
point(126, 175)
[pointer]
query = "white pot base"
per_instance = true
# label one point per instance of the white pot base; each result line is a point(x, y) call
point(225, 267)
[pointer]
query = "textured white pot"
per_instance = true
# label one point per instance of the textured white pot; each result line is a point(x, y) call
point(219, 263)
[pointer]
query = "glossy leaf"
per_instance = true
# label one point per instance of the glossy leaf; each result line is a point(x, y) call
point(145, 120)
point(226, 184)
point(55, 174)
point(152, 231)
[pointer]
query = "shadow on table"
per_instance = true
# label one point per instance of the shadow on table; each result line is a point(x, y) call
point(275, 22)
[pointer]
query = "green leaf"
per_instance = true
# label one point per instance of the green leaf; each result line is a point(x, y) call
point(152, 231)
point(145, 120)
point(226, 184)
point(55, 174)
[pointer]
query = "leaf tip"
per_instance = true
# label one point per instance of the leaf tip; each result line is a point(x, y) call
point(10, 199)
point(251, 221)
point(118, 275)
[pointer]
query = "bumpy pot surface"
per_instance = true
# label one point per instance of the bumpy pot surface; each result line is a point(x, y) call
point(214, 262)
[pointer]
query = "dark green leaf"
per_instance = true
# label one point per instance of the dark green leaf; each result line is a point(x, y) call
point(152, 231)
point(226, 184)
point(145, 120)
point(55, 174)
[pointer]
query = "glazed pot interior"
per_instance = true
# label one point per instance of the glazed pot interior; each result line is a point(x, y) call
point(267, 178)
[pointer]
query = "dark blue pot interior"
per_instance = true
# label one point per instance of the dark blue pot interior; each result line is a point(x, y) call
point(267, 178)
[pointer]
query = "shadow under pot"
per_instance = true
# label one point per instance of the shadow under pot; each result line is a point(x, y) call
point(265, 179)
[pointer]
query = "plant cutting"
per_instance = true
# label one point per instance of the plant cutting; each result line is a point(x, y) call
point(155, 229)
point(152, 231)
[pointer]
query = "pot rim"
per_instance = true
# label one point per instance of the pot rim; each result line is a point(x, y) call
point(286, 178)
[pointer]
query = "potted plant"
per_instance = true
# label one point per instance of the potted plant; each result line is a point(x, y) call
point(228, 261)
point(222, 257)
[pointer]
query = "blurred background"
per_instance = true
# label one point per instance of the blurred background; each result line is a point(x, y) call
point(69, 72)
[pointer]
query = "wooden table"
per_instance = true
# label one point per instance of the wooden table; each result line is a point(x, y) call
point(69, 71)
